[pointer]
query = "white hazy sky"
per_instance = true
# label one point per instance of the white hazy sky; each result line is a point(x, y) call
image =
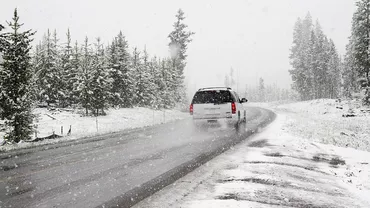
point(251, 36)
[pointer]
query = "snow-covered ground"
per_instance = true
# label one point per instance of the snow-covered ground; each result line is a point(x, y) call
point(115, 120)
point(322, 121)
point(286, 165)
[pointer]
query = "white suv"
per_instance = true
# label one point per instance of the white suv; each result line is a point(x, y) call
point(216, 104)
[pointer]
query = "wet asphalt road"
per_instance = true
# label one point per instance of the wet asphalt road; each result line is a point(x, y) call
point(114, 170)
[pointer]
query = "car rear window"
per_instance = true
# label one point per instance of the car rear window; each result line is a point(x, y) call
point(216, 96)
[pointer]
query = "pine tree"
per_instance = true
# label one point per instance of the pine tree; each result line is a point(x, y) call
point(121, 73)
point(138, 70)
point(300, 58)
point(48, 75)
point(179, 40)
point(306, 56)
point(349, 73)
point(113, 65)
point(361, 42)
point(15, 79)
point(334, 74)
point(69, 72)
point(100, 82)
point(36, 63)
point(155, 81)
point(59, 79)
point(144, 79)
point(167, 88)
point(82, 87)
point(318, 62)
point(73, 77)
point(315, 62)
point(2, 42)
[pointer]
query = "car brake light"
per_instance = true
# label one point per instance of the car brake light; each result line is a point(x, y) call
point(191, 109)
point(233, 108)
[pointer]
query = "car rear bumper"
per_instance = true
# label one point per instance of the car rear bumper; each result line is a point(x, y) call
point(228, 120)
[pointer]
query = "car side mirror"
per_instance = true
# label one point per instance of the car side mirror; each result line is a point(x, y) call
point(244, 100)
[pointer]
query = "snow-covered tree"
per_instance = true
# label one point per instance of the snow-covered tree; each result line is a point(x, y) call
point(299, 57)
point(121, 73)
point(2, 42)
point(144, 89)
point(319, 61)
point(360, 43)
point(36, 63)
point(167, 88)
point(49, 72)
point(69, 72)
point(138, 69)
point(15, 80)
point(100, 82)
point(82, 86)
point(73, 77)
point(349, 72)
point(155, 82)
point(315, 62)
point(180, 37)
point(2, 47)
point(59, 79)
point(334, 72)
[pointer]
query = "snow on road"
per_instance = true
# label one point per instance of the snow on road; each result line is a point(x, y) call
point(278, 168)
point(115, 120)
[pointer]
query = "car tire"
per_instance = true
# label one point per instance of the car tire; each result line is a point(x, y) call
point(238, 121)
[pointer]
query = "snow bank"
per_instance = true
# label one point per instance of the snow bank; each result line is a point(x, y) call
point(115, 120)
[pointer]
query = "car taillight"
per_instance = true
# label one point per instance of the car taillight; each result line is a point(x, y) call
point(191, 109)
point(233, 108)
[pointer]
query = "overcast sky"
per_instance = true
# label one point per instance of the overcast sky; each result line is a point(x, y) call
point(251, 36)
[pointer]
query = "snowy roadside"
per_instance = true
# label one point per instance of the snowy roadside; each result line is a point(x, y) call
point(276, 168)
point(343, 124)
point(115, 120)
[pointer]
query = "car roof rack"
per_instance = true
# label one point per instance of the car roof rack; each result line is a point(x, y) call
point(206, 88)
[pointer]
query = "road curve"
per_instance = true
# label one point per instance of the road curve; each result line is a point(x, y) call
point(115, 170)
